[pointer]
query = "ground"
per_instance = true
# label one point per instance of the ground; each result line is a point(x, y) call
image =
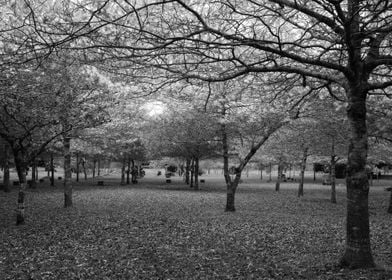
point(155, 230)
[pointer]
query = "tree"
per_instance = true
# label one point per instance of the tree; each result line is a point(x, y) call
point(188, 133)
point(81, 101)
point(26, 120)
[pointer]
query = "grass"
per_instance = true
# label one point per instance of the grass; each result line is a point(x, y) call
point(155, 230)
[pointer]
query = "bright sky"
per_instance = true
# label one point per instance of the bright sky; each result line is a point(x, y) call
point(154, 108)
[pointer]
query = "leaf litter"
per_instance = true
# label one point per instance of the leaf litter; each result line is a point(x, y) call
point(151, 233)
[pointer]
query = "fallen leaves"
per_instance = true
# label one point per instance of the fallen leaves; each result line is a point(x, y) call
point(147, 232)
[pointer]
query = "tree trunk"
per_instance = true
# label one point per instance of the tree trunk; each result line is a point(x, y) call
point(134, 172)
point(129, 170)
point(21, 167)
point(77, 167)
point(34, 175)
point(67, 172)
point(261, 172)
point(279, 178)
point(123, 171)
point(390, 203)
point(333, 172)
point(52, 170)
point(231, 188)
point(187, 170)
point(270, 174)
point(94, 166)
point(196, 187)
point(6, 170)
point(99, 167)
point(358, 250)
point(84, 168)
point(192, 172)
point(302, 176)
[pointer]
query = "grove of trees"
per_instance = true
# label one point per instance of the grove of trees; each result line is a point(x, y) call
point(247, 79)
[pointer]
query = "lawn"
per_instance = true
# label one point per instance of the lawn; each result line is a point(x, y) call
point(155, 230)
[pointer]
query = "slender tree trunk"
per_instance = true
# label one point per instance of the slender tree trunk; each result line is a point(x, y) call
point(134, 172)
point(187, 170)
point(333, 179)
point(99, 167)
point(302, 176)
point(52, 170)
point(21, 167)
point(279, 178)
point(129, 170)
point(270, 174)
point(192, 172)
point(333, 172)
point(358, 250)
point(67, 172)
point(6, 170)
point(123, 171)
point(230, 185)
point(94, 166)
point(84, 169)
point(196, 187)
point(261, 172)
point(390, 203)
point(34, 174)
point(77, 167)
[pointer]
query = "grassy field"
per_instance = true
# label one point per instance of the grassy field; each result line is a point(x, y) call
point(155, 230)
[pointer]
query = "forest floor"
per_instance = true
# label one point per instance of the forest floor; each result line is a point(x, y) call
point(157, 230)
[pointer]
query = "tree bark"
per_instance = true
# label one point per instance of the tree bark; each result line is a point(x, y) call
point(192, 172)
point(358, 250)
point(270, 174)
point(94, 166)
point(21, 167)
point(52, 170)
point(123, 171)
point(302, 176)
point(333, 172)
point(279, 178)
point(196, 187)
point(6, 170)
point(187, 170)
point(99, 167)
point(67, 172)
point(77, 167)
point(261, 172)
point(33, 175)
point(134, 172)
point(84, 168)
point(129, 170)
point(231, 188)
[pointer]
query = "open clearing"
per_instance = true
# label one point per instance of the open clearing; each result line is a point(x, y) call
point(155, 230)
